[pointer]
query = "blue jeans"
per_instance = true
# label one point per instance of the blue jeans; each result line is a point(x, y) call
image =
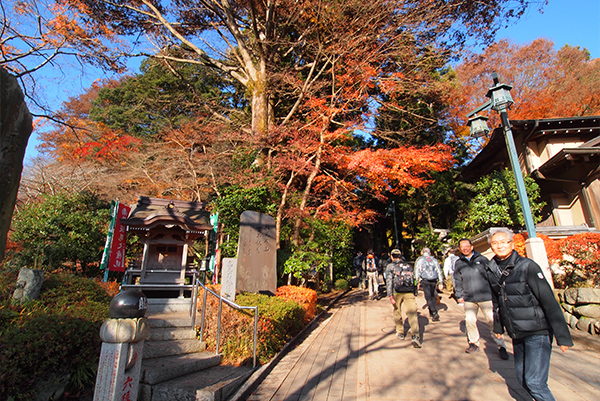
point(532, 363)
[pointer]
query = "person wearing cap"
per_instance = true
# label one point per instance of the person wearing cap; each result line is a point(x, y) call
point(526, 308)
point(401, 287)
point(429, 276)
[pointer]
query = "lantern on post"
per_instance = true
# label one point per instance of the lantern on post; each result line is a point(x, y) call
point(500, 101)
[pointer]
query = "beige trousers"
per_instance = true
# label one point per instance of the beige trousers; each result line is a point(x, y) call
point(487, 309)
point(410, 308)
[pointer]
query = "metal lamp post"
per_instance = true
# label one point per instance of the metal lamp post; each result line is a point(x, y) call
point(501, 100)
point(392, 209)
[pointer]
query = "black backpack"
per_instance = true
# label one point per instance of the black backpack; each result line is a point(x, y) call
point(404, 277)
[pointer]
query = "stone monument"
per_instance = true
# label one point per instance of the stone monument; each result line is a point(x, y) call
point(29, 284)
point(257, 253)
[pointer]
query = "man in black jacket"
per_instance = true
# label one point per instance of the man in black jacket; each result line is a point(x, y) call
point(401, 286)
point(473, 290)
point(528, 311)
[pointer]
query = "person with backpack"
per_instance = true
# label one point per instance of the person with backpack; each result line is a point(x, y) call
point(473, 290)
point(370, 267)
point(402, 289)
point(429, 277)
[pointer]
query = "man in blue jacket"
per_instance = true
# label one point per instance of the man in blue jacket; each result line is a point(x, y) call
point(528, 311)
point(473, 290)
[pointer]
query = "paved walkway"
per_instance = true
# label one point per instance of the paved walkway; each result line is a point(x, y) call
point(353, 354)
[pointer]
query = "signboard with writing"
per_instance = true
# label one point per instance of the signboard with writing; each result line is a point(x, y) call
point(117, 250)
point(228, 278)
point(257, 253)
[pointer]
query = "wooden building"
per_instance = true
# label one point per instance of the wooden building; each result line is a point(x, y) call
point(167, 229)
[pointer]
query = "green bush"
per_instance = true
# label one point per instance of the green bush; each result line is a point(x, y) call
point(54, 336)
point(62, 231)
point(341, 284)
point(280, 319)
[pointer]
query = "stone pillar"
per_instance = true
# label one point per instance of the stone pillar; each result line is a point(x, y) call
point(536, 251)
point(122, 345)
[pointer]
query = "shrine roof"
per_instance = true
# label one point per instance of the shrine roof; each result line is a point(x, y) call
point(153, 212)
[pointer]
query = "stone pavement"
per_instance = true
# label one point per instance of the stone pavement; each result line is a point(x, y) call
point(353, 354)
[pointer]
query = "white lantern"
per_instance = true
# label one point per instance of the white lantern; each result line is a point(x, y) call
point(478, 126)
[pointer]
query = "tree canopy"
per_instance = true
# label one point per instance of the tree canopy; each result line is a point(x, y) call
point(271, 95)
point(546, 82)
point(496, 203)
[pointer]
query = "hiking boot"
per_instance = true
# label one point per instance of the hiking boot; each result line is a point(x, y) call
point(415, 341)
point(435, 318)
point(400, 336)
point(503, 353)
point(472, 348)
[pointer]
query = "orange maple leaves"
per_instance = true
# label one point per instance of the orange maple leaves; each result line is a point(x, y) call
point(396, 169)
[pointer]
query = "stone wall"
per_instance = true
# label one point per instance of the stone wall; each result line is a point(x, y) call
point(582, 308)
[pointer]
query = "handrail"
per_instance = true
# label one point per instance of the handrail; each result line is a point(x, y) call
point(193, 287)
point(230, 303)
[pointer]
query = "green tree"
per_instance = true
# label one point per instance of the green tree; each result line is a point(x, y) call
point(163, 96)
point(62, 231)
point(232, 202)
point(496, 203)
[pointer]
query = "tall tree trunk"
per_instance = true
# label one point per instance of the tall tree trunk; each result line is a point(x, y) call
point(16, 127)
point(260, 110)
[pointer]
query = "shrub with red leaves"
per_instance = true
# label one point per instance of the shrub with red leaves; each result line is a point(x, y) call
point(306, 297)
point(582, 259)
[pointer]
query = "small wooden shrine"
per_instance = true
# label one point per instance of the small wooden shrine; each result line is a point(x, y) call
point(166, 228)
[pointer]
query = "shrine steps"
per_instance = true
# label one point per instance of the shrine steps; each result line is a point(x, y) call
point(175, 365)
point(215, 384)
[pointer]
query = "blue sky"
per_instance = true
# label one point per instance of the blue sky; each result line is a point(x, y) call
point(572, 22)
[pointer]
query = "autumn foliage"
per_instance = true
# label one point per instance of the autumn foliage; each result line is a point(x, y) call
point(553, 251)
point(578, 256)
point(546, 83)
point(395, 170)
point(583, 260)
point(306, 297)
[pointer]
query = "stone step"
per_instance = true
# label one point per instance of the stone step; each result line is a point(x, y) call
point(157, 370)
point(214, 384)
point(156, 349)
point(167, 305)
point(170, 320)
point(171, 333)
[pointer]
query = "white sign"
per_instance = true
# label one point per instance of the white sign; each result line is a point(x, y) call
point(228, 278)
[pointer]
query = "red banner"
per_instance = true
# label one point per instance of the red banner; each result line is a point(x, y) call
point(116, 261)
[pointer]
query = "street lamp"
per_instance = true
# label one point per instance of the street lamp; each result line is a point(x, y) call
point(500, 101)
